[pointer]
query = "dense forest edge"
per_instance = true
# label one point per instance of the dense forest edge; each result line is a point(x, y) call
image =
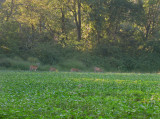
point(115, 35)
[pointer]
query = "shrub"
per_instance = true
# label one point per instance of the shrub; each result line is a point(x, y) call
point(128, 64)
point(148, 63)
point(72, 63)
point(33, 60)
point(43, 68)
point(5, 62)
point(14, 63)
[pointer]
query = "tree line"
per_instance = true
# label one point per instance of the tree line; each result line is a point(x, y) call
point(112, 34)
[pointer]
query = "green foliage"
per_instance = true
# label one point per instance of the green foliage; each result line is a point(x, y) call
point(48, 53)
point(79, 95)
point(115, 34)
point(149, 62)
point(9, 37)
point(43, 67)
point(128, 64)
point(72, 63)
point(15, 63)
point(33, 60)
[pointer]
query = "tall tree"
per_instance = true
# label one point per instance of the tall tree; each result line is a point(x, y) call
point(152, 17)
point(77, 16)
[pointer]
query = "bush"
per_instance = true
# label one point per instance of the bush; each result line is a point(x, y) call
point(14, 63)
point(148, 63)
point(48, 53)
point(5, 62)
point(17, 63)
point(33, 60)
point(44, 68)
point(128, 64)
point(72, 63)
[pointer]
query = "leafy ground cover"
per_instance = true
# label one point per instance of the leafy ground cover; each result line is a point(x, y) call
point(42, 95)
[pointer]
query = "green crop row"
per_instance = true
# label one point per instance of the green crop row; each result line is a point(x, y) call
point(66, 95)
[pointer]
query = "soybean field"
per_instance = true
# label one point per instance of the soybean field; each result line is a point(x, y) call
point(78, 95)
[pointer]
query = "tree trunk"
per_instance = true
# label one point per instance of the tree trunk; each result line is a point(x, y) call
point(63, 26)
point(78, 21)
point(11, 10)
